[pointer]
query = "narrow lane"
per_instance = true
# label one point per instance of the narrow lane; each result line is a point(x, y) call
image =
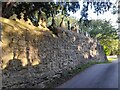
point(97, 76)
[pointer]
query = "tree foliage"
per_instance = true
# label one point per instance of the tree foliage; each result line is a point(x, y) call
point(102, 29)
point(32, 10)
point(106, 34)
point(110, 46)
point(99, 8)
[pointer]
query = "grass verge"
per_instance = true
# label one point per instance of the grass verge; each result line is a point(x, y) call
point(65, 76)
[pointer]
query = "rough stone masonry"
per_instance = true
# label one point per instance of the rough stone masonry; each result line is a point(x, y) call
point(32, 58)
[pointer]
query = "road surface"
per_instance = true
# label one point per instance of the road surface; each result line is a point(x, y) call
point(97, 76)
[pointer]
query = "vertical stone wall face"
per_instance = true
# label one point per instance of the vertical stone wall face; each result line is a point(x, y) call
point(32, 58)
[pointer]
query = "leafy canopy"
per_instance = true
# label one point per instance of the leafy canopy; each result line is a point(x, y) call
point(33, 10)
point(106, 34)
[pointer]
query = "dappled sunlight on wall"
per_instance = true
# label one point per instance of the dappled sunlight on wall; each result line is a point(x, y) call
point(86, 55)
point(36, 56)
point(79, 47)
point(20, 44)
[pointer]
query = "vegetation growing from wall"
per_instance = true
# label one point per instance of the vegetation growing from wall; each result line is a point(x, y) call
point(105, 33)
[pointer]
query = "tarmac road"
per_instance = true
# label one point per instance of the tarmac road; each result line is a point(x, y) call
point(96, 76)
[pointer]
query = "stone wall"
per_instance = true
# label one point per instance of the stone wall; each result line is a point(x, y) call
point(32, 58)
